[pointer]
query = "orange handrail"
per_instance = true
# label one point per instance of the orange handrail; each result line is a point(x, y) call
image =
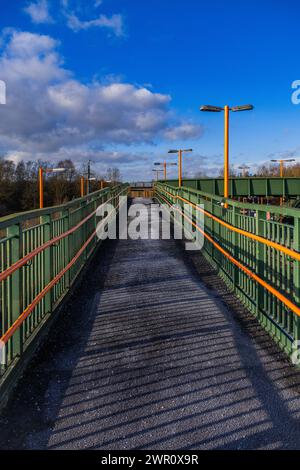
point(8, 334)
point(288, 251)
point(18, 322)
point(248, 271)
point(21, 262)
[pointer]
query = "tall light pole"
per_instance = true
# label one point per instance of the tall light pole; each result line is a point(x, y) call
point(88, 177)
point(41, 181)
point(81, 186)
point(281, 162)
point(165, 165)
point(244, 168)
point(157, 172)
point(180, 152)
point(226, 109)
point(88, 187)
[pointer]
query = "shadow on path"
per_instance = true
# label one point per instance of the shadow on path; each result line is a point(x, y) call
point(153, 352)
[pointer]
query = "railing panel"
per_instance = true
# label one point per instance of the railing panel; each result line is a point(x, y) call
point(253, 187)
point(263, 270)
point(41, 254)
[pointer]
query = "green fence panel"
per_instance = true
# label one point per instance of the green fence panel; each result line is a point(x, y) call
point(22, 233)
point(245, 186)
point(277, 269)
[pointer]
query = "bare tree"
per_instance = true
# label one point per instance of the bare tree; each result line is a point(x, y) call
point(114, 175)
point(19, 185)
point(232, 171)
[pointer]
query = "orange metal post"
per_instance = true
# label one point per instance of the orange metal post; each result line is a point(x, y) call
point(226, 152)
point(244, 268)
point(180, 168)
point(281, 168)
point(41, 187)
point(101, 184)
point(82, 186)
point(281, 176)
point(165, 170)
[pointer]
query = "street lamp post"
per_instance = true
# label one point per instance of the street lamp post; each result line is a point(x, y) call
point(165, 165)
point(41, 187)
point(88, 186)
point(81, 186)
point(281, 163)
point(244, 168)
point(180, 152)
point(41, 181)
point(89, 178)
point(226, 109)
point(157, 172)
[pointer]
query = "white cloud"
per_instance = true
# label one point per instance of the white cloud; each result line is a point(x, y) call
point(30, 57)
point(285, 154)
point(113, 23)
point(184, 131)
point(2, 92)
point(39, 12)
point(50, 114)
point(71, 10)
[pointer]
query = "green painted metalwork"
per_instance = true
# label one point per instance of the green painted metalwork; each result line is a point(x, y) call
point(245, 187)
point(273, 266)
point(20, 234)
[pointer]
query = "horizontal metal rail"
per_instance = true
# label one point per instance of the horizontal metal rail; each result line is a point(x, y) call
point(245, 186)
point(9, 333)
point(294, 254)
point(24, 216)
point(41, 255)
point(257, 255)
point(250, 273)
point(9, 271)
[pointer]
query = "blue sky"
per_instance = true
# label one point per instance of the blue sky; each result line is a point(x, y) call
point(121, 81)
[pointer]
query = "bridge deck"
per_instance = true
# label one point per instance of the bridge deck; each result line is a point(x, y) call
point(146, 356)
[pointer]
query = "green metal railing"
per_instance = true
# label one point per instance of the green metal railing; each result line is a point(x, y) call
point(38, 248)
point(263, 245)
point(288, 187)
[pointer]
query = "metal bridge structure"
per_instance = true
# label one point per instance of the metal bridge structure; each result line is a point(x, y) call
point(260, 187)
point(42, 254)
point(129, 344)
point(257, 255)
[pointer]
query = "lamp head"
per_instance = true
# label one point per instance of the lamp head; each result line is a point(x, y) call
point(246, 107)
point(55, 170)
point(211, 109)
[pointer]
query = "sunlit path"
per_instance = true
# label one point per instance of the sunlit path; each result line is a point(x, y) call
point(145, 356)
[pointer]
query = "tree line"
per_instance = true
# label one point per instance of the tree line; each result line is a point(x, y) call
point(19, 184)
point(271, 169)
point(265, 170)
